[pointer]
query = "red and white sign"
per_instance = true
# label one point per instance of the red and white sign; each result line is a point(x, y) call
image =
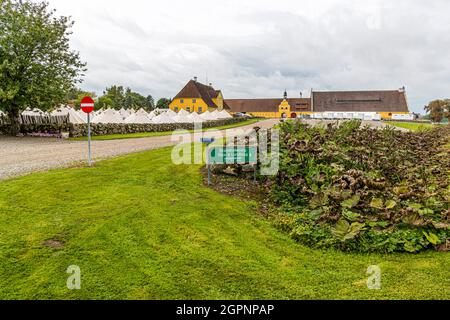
point(87, 104)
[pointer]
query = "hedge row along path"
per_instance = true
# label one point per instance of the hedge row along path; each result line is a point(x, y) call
point(19, 156)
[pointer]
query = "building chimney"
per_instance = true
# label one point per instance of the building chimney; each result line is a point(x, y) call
point(402, 89)
point(195, 79)
point(210, 84)
point(301, 94)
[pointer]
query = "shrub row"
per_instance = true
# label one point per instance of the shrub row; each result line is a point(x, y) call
point(97, 129)
point(362, 189)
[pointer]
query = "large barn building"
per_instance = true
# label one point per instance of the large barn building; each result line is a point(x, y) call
point(198, 97)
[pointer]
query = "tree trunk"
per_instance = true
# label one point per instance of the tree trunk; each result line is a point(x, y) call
point(14, 120)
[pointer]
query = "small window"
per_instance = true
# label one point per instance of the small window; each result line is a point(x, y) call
point(200, 109)
point(188, 109)
point(194, 100)
point(181, 100)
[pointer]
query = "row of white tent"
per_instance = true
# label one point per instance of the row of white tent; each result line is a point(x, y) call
point(368, 116)
point(129, 115)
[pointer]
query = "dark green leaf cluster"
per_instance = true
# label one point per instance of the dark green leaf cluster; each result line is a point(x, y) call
point(363, 189)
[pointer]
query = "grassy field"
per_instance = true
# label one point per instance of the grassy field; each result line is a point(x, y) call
point(158, 134)
point(140, 227)
point(413, 126)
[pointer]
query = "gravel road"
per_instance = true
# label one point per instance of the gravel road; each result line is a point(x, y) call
point(22, 155)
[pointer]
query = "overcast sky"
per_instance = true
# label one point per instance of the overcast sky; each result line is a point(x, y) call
point(256, 49)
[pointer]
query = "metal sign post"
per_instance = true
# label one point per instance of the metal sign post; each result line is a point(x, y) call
point(208, 141)
point(209, 165)
point(89, 139)
point(87, 105)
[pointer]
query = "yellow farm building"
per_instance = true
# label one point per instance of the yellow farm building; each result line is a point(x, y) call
point(198, 97)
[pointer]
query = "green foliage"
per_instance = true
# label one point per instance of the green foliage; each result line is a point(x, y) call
point(438, 110)
point(364, 189)
point(345, 231)
point(37, 68)
point(75, 95)
point(163, 103)
point(118, 97)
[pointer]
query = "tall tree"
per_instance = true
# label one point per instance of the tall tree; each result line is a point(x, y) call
point(117, 97)
point(75, 95)
point(438, 109)
point(163, 103)
point(37, 67)
point(151, 102)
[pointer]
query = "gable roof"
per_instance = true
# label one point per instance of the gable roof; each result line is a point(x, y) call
point(267, 105)
point(364, 101)
point(195, 89)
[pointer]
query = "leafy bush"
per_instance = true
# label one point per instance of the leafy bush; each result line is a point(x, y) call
point(363, 189)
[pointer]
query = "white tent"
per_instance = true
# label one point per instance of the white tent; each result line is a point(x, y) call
point(171, 112)
point(61, 111)
point(194, 117)
point(142, 112)
point(37, 112)
point(182, 118)
point(124, 113)
point(183, 112)
point(138, 118)
point(83, 115)
point(163, 118)
point(224, 115)
point(152, 114)
point(108, 116)
point(74, 117)
point(27, 112)
point(207, 116)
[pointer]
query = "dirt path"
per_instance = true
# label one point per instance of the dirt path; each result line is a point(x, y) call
point(19, 156)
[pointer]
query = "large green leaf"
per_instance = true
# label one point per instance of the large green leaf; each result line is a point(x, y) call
point(350, 215)
point(390, 204)
point(345, 231)
point(352, 202)
point(431, 237)
point(377, 203)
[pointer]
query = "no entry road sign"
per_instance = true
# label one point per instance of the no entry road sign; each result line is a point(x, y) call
point(87, 105)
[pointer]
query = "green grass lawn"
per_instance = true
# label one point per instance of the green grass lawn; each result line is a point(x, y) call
point(166, 133)
point(140, 227)
point(413, 126)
